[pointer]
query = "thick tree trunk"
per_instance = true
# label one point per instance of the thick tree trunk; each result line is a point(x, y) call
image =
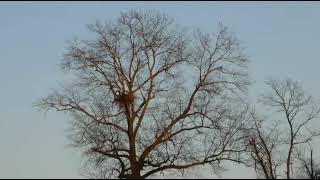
point(135, 168)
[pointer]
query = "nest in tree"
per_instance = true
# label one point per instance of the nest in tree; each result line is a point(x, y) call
point(124, 99)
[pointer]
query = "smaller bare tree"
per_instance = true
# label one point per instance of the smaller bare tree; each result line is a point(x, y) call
point(309, 169)
point(263, 145)
point(268, 143)
point(299, 110)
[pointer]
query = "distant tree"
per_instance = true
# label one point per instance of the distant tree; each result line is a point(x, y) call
point(263, 146)
point(309, 168)
point(150, 98)
point(294, 129)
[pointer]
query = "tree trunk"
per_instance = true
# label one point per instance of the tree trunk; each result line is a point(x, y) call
point(135, 168)
point(289, 162)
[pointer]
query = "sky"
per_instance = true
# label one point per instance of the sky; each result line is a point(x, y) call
point(281, 39)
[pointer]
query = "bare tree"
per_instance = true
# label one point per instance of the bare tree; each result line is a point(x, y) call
point(264, 144)
point(150, 98)
point(309, 169)
point(298, 111)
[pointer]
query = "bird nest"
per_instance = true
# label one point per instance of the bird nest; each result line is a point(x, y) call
point(124, 99)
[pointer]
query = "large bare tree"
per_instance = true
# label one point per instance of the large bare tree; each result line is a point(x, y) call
point(149, 97)
point(294, 128)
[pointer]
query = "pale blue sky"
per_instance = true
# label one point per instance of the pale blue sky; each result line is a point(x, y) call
point(282, 40)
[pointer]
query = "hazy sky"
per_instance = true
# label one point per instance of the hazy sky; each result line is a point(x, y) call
point(282, 40)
